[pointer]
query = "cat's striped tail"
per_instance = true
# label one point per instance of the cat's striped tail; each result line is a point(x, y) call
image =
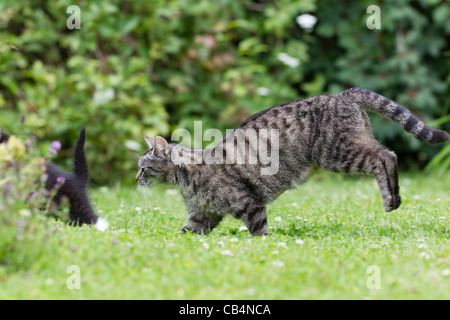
point(372, 101)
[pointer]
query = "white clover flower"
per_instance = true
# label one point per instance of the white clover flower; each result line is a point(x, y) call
point(299, 241)
point(277, 218)
point(282, 244)
point(25, 212)
point(288, 60)
point(171, 192)
point(205, 245)
point(138, 209)
point(243, 228)
point(424, 255)
point(277, 263)
point(227, 253)
point(132, 145)
point(445, 272)
point(306, 21)
point(262, 91)
point(234, 240)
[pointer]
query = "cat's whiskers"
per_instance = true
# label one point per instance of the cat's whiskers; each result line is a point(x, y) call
point(145, 191)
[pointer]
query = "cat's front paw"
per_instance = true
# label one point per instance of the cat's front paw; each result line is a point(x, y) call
point(194, 228)
point(392, 204)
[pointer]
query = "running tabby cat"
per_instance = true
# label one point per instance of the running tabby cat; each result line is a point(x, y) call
point(332, 132)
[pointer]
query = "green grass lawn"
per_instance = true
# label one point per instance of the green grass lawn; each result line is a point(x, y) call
point(325, 237)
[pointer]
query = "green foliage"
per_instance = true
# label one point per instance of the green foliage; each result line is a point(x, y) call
point(146, 68)
point(23, 198)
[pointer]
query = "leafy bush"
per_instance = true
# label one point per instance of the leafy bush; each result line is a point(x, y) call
point(136, 69)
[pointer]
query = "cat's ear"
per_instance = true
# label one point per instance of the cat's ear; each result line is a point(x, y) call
point(161, 147)
point(150, 142)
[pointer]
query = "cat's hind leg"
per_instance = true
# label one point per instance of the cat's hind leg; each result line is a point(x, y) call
point(382, 164)
point(384, 168)
point(366, 156)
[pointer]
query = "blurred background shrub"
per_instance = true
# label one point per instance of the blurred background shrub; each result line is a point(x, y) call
point(139, 68)
point(24, 202)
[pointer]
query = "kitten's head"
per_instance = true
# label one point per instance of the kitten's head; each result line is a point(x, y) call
point(155, 164)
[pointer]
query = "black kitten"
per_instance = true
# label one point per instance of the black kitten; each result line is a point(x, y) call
point(73, 186)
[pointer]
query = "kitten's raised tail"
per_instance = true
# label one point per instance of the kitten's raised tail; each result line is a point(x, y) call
point(80, 164)
point(374, 102)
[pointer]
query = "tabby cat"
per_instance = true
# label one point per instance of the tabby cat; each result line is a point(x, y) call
point(330, 131)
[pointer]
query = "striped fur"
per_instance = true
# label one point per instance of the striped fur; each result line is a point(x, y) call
point(374, 102)
point(332, 132)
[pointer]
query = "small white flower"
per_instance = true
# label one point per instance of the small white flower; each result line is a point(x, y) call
point(227, 253)
point(306, 21)
point(138, 209)
point(424, 255)
point(234, 240)
point(421, 246)
point(133, 145)
point(295, 204)
point(243, 228)
point(278, 218)
point(299, 241)
point(445, 272)
point(25, 212)
point(104, 189)
point(288, 60)
point(282, 244)
point(157, 209)
point(171, 192)
point(205, 246)
point(220, 243)
point(277, 263)
point(262, 91)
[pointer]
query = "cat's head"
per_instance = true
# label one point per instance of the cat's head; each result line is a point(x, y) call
point(155, 164)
